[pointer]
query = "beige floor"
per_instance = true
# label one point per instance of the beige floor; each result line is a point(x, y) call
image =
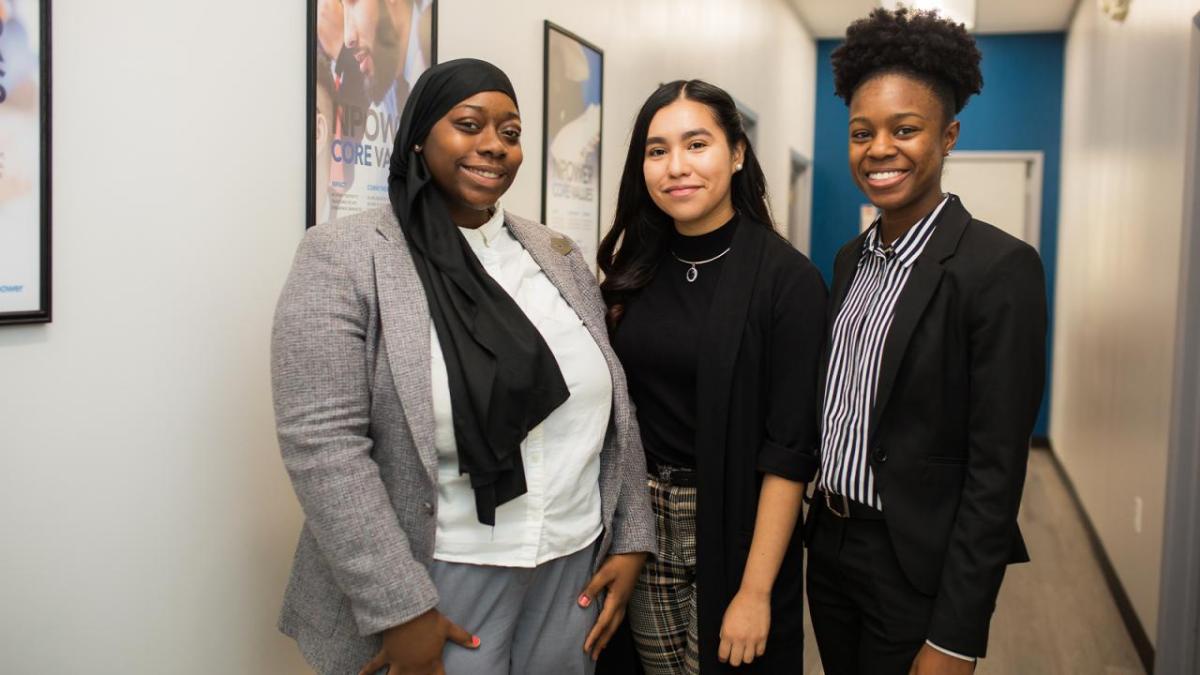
point(1055, 616)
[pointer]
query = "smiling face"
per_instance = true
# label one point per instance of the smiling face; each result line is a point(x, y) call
point(899, 138)
point(689, 165)
point(473, 154)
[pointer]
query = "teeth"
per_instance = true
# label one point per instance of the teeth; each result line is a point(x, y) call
point(483, 172)
point(883, 175)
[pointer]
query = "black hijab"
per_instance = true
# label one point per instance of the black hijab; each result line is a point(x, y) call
point(503, 377)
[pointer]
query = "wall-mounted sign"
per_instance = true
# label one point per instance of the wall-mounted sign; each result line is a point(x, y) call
point(24, 161)
point(571, 138)
point(364, 57)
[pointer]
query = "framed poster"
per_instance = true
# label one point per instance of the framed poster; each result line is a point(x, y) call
point(364, 57)
point(573, 82)
point(24, 161)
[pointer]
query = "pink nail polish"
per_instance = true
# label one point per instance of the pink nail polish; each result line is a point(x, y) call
point(474, 640)
point(584, 601)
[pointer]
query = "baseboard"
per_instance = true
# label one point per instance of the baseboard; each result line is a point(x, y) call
point(1137, 632)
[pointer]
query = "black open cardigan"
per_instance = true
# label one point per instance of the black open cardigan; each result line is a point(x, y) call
point(756, 412)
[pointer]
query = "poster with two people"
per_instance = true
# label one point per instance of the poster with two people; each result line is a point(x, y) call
point(368, 55)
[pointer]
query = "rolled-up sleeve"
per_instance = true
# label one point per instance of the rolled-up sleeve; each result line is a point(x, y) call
point(793, 353)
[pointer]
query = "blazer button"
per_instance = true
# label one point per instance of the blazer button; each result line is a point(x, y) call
point(880, 455)
point(428, 508)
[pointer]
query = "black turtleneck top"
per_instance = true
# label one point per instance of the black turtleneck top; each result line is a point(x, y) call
point(657, 341)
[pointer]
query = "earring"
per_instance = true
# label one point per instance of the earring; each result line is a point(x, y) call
point(417, 149)
point(737, 167)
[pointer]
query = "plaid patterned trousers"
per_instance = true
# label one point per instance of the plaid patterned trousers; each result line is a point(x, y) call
point(662, 611)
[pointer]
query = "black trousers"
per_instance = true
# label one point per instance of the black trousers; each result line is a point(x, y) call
point(867, 618)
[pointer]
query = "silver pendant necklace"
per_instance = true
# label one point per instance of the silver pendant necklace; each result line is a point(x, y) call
point(693, 273)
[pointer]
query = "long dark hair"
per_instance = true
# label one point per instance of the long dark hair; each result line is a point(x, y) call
point(629, 254)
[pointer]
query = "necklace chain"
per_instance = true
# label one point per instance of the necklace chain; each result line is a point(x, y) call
point(693, 273)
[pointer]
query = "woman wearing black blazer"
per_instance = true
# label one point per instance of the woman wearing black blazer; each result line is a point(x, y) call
point(718, 322)
point(934, 375)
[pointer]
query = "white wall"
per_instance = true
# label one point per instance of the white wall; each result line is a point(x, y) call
point(756, 49)
point(1118, 274)
point(145, 520)
point(146, 524)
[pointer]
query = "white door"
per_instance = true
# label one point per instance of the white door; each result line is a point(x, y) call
point(1001, 188)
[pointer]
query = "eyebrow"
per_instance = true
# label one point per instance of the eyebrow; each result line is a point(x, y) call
point(511, 114)
point(891, 118)
point(686, 135)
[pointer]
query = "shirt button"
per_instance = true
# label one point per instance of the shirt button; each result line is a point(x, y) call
point(428, 508)
point(880, 455)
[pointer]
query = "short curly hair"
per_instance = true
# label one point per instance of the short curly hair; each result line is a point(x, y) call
point(920, 44)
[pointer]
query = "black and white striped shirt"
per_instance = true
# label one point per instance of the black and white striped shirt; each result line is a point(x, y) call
point(860, 330)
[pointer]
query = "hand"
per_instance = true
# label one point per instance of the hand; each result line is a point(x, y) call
point(744, 628)
point(415, 648)
point(930, 661)
point(617, 576)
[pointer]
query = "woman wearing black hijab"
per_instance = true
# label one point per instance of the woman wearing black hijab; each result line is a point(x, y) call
point(453, 419)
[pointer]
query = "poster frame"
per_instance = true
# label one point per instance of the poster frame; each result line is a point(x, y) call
point(43, 313)
point(310, 97)
point(548, 27)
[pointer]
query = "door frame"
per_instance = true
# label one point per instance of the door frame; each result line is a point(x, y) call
point(1179, 593)
point(1035, 160)
point(800, 166)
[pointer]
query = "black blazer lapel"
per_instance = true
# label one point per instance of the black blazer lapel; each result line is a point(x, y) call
point(924, 280)
point(845, 268)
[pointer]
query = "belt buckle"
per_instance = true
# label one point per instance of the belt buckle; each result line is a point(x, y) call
point(664, 474)
point(845, 513)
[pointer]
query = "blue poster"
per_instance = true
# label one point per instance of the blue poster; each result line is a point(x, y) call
point(571, 168)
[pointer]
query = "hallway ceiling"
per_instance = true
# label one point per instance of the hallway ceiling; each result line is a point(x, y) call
point(829, 18)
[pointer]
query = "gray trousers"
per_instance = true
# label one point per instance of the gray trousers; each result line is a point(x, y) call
point(528, 621)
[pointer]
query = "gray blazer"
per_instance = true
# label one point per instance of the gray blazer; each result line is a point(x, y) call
point(350, 370)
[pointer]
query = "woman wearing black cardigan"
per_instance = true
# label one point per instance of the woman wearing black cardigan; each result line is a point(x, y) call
point(718, 322)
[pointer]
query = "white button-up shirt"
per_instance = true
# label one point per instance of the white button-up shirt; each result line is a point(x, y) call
point(560, 513)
